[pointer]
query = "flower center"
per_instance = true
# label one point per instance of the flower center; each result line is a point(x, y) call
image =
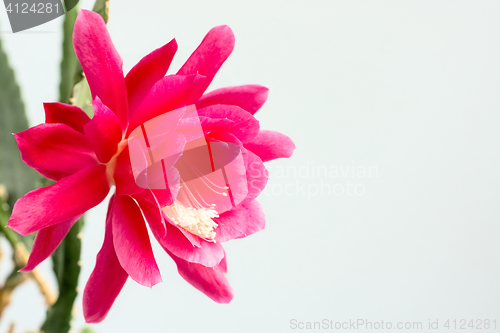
point(197, 221)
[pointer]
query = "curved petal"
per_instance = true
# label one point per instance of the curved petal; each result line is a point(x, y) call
point(249, 97)
point(55, 147)
point(106, 281)
point(151, 210)
point(231, 224)
point(168, 94)
point(209, 280)
point(245, 126)
point(270, 145)
point(67, 114)
point(214, 49)
point(256, 218)
point(131, 241)
point(147, 72)
point(123, 175)
point(257, 174)
point(46, 241)
point(101, 63)
point(103, 131)
point(208, 254)
point(209, 125)
point(69, 197)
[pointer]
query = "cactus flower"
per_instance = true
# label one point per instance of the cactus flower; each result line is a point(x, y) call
point(194, 209)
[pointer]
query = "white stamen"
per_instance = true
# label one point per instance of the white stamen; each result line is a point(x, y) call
point(197, 221)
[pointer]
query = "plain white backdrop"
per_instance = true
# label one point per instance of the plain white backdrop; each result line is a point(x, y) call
point(406, 91)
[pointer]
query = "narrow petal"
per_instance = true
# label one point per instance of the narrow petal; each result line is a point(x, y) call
point(106, 281)
point(147, 72)
point(67, 114)
point(55, 147)
point(245, 126)
point(101, 63)
point(256, 218)
point(270, 145)
point(131, 241)
point(211, 54)
point(248, 97)
point(257, 174)
point(151, 209)
point(69, 197)
point(103, 131)
point(231, 224)
point(168, 94)
point(123, 175)
point(208, 254)
point(46, 241)
point(209, 280)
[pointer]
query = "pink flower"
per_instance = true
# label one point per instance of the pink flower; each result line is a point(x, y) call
point(86, 157)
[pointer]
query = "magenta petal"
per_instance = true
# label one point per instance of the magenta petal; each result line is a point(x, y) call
point(256, 217)
point(147, 72)
point(209, 280)
point(103, 131)
point(131, 241)
point(257, 174)
point(69, 197)
point(67, 114)
point(231, 224)
point(106, 281)
point(245, 126)
point(123, 176)
point(46, 241)
point(248, 97)
point(55, 147)
point(210, 125)
point(270, 145)
point(194, 240)
point(151, 209)
point(211, 54)
point(101, 62)
point(208, 254)
point(168, 94)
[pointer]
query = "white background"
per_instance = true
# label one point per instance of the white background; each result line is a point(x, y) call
point(409, 88)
